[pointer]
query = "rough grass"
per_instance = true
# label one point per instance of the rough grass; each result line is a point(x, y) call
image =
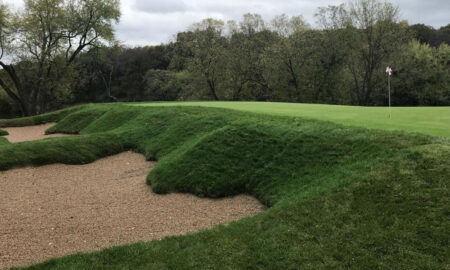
point(3, 141)
point(340, 197)
point(3, 132)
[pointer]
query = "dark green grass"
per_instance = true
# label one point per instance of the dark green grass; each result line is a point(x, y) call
point(339, 197)
point(3, 132)
point(37, 120)
point(3, 140)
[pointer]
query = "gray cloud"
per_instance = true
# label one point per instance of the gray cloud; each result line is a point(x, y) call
point(432, 12)
point(166, 6)
point(150, 22)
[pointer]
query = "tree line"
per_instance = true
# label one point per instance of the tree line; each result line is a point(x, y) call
point(57, 58)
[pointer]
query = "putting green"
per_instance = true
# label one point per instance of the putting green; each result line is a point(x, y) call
point(428, 120)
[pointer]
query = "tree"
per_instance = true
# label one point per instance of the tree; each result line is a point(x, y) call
point(434, 37)
point(5, 21)
point(286, 27)
point(252, 24)
point(372, 34)
point(324, 58)
point(256, 40)
point(105, 65)
point(423, 75)
point(161, 85)
point(49, 35)
point(288, 55)
point(207, 48)
point(237, 66)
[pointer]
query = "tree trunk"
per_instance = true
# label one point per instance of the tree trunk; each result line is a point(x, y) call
point(212, 88)
point(294, 80)
point(15, 98)
point(15, 79)
point(237, 93)
point(107, 84)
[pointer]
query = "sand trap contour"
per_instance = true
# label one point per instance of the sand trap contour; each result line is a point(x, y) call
point(30, 133)
point(57, 210)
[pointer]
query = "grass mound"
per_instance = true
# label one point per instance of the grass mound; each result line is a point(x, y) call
point(3, 140)
point(3, 132)
point(339, 197)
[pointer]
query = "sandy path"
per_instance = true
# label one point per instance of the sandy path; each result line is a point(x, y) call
point(58, 209)
point(30, 133)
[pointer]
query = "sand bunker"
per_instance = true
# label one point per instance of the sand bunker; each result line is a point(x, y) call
point(30, 133)
point(58, 209)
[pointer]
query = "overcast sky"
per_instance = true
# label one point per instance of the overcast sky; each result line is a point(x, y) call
point(151, 22)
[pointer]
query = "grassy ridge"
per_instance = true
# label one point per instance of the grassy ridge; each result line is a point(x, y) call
point(3, 132)
point(39, 119)
point(426, 120)
point(3, 141)
point(340, 197)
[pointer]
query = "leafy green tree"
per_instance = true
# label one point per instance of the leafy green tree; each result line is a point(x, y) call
point(289, 55)
point(5, 39)
point(50, 35)
point(433, 37)
point(325, 57)
point(109, 73)
point(257, 39)
point(161, 85)
point(208, 47)
point(237, 68)
point(372, 35)
point(132, 65)
point(422, 75)
point(104, 67)
point(244, 57)
point(182, 51)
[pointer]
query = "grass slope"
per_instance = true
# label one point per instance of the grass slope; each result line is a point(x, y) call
point(3, 132)
point(3, 141)
point(340, 197)
point(427, 120)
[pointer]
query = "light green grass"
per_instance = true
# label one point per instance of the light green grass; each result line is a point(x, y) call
point(427, 120)
point(339, 197)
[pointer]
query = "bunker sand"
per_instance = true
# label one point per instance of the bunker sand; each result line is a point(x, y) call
point(57, 210)
point(30, 133)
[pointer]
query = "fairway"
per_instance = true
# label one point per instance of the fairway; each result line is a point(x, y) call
point(426, 120)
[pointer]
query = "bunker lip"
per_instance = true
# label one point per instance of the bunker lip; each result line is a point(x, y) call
point(29, 133)
point(56, 210)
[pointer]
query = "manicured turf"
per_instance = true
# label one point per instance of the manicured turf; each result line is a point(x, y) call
point(340, 197)
point(427, 120)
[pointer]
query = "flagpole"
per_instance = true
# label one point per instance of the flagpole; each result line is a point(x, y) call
point(389, 73)
point(389, 89)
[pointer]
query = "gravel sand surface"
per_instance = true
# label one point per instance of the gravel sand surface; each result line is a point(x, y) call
point(30, 133)
point(56, 210)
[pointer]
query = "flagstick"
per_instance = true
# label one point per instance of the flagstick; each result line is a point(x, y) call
point(389, 89)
